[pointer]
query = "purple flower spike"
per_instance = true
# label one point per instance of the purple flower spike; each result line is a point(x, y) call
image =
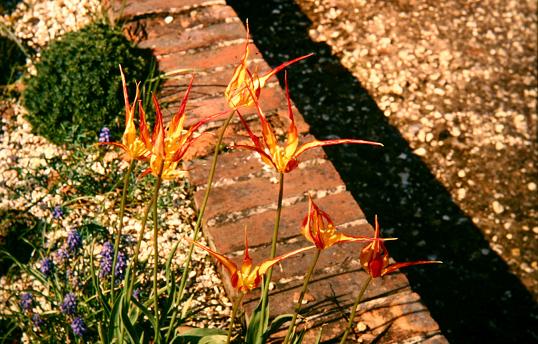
point(57, 212)
point(104, 135)
point(121, 265)
point(78, 326)
point(74, 241)
point(69, 305)
point(107, 256)
point(46, 267)
point(26, 301)
point(62, 255)
point(36, 319)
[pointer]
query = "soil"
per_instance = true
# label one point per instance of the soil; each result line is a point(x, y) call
point(450, 89)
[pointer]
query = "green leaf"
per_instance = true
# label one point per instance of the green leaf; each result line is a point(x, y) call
point(276, 324)
point(257, 325)
point(201, 336)
point(215, 339)
point(124, 312)
point(113, 322)
point(298, 338)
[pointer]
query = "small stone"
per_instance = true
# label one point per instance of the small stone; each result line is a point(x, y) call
point(531, 186)
point(361, 327)
point(497, 207)
point(516, 252)
point(535, 230)
point(420, 151)
point(168, 19)
point(509, 236)
point(461, 173)
point(499, 145)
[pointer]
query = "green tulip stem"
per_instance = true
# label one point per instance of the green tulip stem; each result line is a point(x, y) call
point(126, 179)
point(236, 305)
point(291, 328)
point(354, 309)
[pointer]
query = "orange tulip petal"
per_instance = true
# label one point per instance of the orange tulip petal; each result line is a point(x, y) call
point(228, 264)
point(317, 143)
point(265, 265)
point(398, 266)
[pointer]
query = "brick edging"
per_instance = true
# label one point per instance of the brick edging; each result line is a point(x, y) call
point(244, 193)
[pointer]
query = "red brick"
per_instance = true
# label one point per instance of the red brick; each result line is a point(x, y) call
point(341, 207)
point(343, 287)
point(270, 98)
point(173, 38)
point(131, 9)
point(207, 59)
point(262, 192)
point(235, 165)
point(205, 85)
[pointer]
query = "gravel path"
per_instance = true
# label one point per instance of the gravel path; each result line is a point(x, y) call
point(24, 166)
point(458, 79)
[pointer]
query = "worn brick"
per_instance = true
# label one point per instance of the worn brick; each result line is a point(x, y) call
point(341, 207)
point(236, 165)
point(206, 59)
point(209, 84)
point(270, 98)
point(262, 192)
point(131, 9)
point(173, 38)
point(328, 289)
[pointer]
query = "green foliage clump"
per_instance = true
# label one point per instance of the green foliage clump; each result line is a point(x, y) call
point(77, 89)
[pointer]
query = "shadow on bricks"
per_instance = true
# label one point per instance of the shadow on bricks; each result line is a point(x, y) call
point(472, 296)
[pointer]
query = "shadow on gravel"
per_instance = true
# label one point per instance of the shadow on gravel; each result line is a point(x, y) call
point(473, 296)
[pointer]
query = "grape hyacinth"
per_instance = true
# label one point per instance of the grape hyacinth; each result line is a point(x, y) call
point(69, 305)
point(36, 319)
point(78, 326)
point(62, 255)
point(26, 301)
point(74, 241)
point(46, 267)
point(121, 265)
point(57, 212)
point(104, 135)
point(107, 257)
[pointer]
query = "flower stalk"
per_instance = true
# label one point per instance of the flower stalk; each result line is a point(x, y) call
point(156, 254)
point(291, 328)
point(235, 308)
point(198, 225)
point(119, 230)
point(267, 279)
point(354, 309)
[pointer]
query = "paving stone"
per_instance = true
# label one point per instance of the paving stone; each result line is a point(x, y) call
point(173, 38)
point(227, 201)
point(132, 9)
point(260, 226)
point(206, 59)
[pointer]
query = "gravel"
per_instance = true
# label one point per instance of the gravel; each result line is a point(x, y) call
point(458, 80)
point(23, 162)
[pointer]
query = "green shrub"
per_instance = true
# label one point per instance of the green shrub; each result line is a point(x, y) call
point(77, 89)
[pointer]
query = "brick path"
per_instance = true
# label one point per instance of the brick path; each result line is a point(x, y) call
point(209, 37)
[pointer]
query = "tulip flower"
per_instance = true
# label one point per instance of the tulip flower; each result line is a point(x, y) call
point(132, 146)
point(248, 277)
point(374, 257)
point(284, 158)
point(167, 146)
point(245, 87)
point(318, 228)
